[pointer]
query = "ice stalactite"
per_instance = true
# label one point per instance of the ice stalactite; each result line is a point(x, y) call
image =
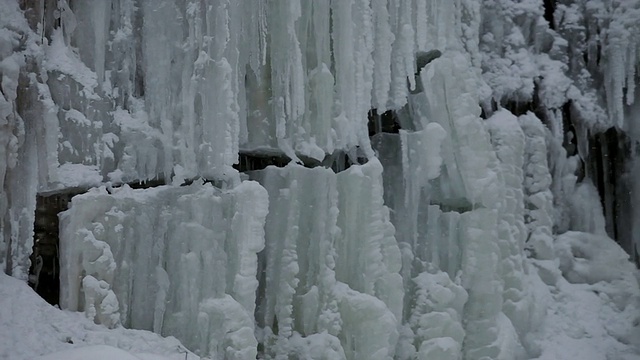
point(207, 83)
point(451, 102)
point(633, 118)
point(384, 39)
point(366, 211)
point(614, 60)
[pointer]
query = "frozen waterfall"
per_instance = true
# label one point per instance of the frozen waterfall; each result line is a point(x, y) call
point(326, 179)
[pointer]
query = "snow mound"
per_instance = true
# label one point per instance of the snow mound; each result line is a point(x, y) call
point(587, 258)
point(98, 352)
point(593, 310)
point(31, 328)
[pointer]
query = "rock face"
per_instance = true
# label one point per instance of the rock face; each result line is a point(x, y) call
point(44, 274)
point(354, 179)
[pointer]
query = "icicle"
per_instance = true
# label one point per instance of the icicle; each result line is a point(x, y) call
point(287, 75)
point(384, 39)
point(344, 45)
point(321, 31)
point(421, 25)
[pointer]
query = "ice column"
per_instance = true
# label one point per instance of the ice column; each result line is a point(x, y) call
point(537, 184)
point(331, 263)
point(472, 183)
point(508, 140)
point(27, 125)
point(298, 264)
point(179, 261)
point(469, 174)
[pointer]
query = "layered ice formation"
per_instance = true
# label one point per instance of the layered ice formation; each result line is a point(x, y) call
point(446, 233)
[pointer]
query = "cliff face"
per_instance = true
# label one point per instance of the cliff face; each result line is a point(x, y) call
point(324, 179)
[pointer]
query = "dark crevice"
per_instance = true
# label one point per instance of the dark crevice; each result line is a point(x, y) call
point(570, 140)
point(257, 161)
point(597, 53)
point(146, 184)
point(549, 9)
point(488, 108)
point(261, 290)
point(460, 206)
point(338, 161)
point(139, 81)
point(387, 122)
point(607, 167)
point(519, 108)
point(44, 273)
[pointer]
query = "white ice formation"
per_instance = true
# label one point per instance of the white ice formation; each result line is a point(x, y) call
point(437, 242)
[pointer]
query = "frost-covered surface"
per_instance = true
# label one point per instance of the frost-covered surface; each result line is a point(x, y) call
point(475, 232)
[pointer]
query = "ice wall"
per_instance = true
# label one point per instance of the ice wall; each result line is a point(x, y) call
point(419, 250)
point(179, 261)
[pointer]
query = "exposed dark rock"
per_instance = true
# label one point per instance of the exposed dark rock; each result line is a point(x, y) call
point(422, 59)
point(425, 57)
point(253, 161)
point(549, 10)
point(607, 167)
point(44, 273)
point(387, 122)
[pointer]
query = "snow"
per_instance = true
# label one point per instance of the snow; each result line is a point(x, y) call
point(78, 175)
point(60, 59)
point(98, 352)
point(29, 327)
point(594, 315)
